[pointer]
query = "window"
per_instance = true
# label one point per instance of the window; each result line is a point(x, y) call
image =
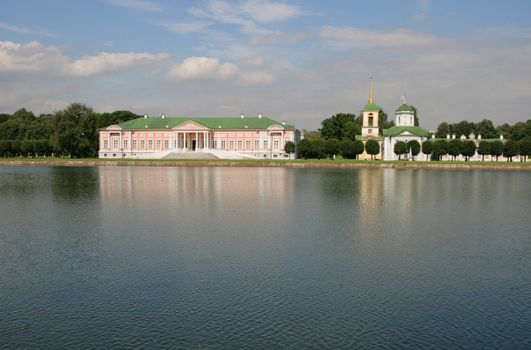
point(256, 144)
point(231, 145)
point(142, 144)
point(215, 144)
point(158, 144)
point(166, 144)
point(175, 143)
point(275, 144)
point(150, 144)
point(265, 144)
point(126, 143)
point(248, 145)
point(371, 120)
point(223, 145)
point(398, 120)
point(115, 143)
point(240, 145)
point(133, 143)
point(370, 131)
point(105, 144)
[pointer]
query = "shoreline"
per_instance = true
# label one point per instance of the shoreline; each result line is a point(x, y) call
point(335, 164)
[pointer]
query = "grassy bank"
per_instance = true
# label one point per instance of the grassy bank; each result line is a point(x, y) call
point(299, 163)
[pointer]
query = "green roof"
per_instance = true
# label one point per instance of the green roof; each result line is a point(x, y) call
point(211, 123)
point(365, 138)
point(371, 107)
point(405, 108)
point(397, 130)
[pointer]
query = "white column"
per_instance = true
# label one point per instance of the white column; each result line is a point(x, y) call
point(196, 141)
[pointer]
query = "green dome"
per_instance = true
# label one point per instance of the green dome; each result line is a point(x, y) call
point(405, 108)
point(371, 107)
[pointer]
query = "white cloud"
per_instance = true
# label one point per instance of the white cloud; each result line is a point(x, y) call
point(35, 57)
point(249, 15)
point(202, 68)
point(348, 38)
point(29, 57)
point(256, 78)
point(184, 27)
point(17, 28)
point(106, 62)
point(268, 11)
point(142, 5)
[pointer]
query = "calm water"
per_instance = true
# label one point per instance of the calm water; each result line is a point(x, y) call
point(264, 258)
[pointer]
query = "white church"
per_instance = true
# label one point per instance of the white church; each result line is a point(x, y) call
point(404, 130)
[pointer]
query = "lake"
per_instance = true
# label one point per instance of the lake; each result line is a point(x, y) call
point(246, 258)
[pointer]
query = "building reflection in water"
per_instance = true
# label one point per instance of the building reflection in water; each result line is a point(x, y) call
point(193, 192)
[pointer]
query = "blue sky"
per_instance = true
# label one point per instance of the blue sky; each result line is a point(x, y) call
point(299, 61)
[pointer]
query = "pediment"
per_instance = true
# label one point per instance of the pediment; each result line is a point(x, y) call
point(405, 133)
point(190, 125)
point(275, 127)
point(114, 127)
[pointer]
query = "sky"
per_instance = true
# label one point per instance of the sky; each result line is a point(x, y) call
point(296, 61)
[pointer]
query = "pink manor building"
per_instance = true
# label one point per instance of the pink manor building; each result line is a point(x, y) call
point(225, 138)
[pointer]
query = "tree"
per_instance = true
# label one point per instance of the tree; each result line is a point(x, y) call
point(521, 130)
point(510, 150)
point(463, 128)
point(336, 126)
point(414, 147)
point(289, 147)
point(484, 149)
point(468, 149)
point(486, 129)
point(400, 148)
point(454, 148)
point(440, 148)
point(525, 148)
point(496, 149)
point(313, 148)
point(505, 130)
point(332, 147)
point(372, 147)
point(442, 130)
point(75, 131)
point(26, 147)
point(384, 122)
point(351, 130)
point(427, 148)
point(116, 117)
point(359, 147)
point(5, 148)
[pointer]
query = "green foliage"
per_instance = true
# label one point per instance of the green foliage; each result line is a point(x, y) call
point(463, 128)
point(414, 147)
point(332, 147)
point(372, 147)
point(521, 130)
point(340, 126)
point(496, 148)
point(484, 149)
point(427, 148)
point(454, 148)
point(400, 148)
point(511, 149)
point(289, 147)
point(468, 149)
point(525, 147)
point(440, 148)
point(384, 122)
point(486, 129)
point(311, 148)
point(75, 131)
point(351, 149)
point(442, 130)
point(116, 117)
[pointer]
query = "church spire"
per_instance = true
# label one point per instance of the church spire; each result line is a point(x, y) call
point(371, 97)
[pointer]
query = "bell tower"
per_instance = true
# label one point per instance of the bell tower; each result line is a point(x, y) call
point(371, 116)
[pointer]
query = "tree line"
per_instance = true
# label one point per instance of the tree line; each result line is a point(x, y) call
point(71, 132)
